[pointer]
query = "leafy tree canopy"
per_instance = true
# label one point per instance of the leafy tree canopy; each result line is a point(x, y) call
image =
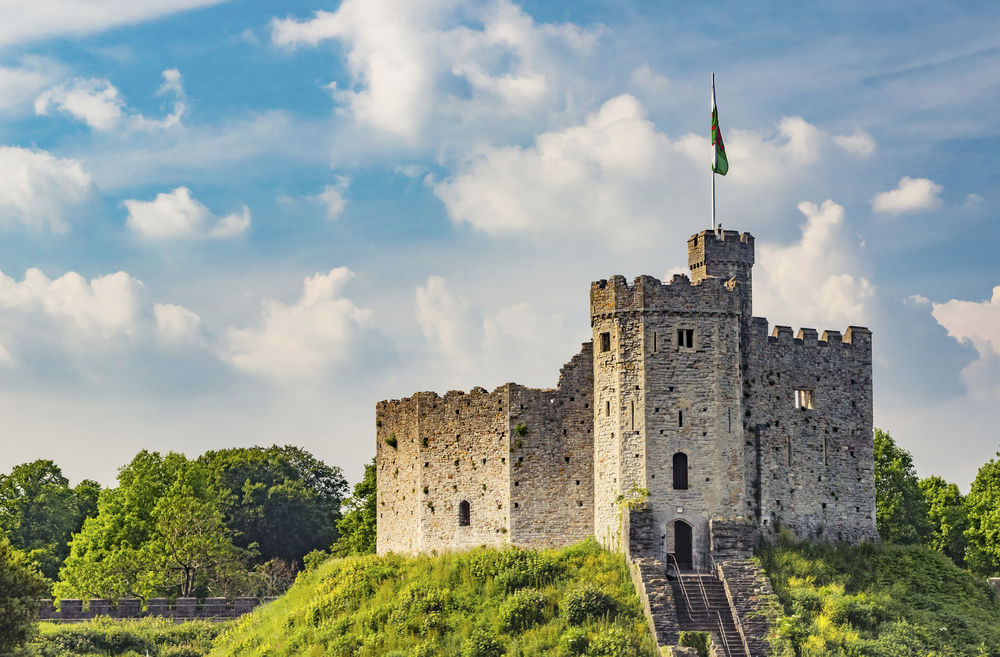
point(20, 588)
point(282, 499)
point(947, 516)
point(983, 508)
point(900, 505)
point(357, 529)
point(39, 511)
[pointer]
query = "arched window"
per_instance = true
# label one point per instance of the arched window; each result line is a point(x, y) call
point(680, 471)
point(463, 514)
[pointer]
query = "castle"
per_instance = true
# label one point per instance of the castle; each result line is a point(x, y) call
point(733, 432)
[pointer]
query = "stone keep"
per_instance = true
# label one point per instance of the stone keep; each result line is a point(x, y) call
point(735, 433)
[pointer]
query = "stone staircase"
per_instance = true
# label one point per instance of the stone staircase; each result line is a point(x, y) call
point(708, 606)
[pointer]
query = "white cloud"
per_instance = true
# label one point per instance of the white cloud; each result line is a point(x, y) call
point(912, 195)
point(27, 21)
point(176, 323)
point(175, 215)
point(617, 177)
point(972, 200)
point(69, 312)
point(860, 143)
point(332, 197)
point(406, 57)
point(452, 325)
point(305, 340)
point(100, 104)
point(979, 324)
point(816, 281)
point(36, 188)
point(20, 84)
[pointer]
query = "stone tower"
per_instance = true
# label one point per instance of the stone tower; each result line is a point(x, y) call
point(668, 394)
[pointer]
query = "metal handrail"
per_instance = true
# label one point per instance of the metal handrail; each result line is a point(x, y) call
point(708, 609)
point(732, 608)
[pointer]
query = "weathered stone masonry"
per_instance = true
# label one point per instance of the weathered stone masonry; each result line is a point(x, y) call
point(682, 392)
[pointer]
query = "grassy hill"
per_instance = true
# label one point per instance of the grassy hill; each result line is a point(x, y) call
point(878, 600)
point(485, 603)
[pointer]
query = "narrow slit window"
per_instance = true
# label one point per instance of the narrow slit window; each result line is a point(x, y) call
point(654, 342)
point(680, 419)
point(605, 342)
point(464, 515)
point(685, 338)
point(632, 414)
point(607, 409)
point(805, 398)
point(680, 471)
point(825, 452)
point(789, 445)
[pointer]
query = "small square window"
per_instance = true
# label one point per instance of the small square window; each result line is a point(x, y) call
point(805, 399)
point(685, 338)
point(605, 342)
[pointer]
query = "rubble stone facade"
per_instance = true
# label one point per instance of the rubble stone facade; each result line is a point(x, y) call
point(683, 393)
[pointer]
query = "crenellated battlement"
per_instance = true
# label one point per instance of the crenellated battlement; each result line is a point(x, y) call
point(854, 343)
point(680, 294)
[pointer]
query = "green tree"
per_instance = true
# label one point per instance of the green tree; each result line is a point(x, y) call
point(108, 557)
point(982, 505)
point(191, 545)
point(282, 499)
point(901, 510)
point(39, 512)
point(21, 586)
point(358, 527)
point(948, 518)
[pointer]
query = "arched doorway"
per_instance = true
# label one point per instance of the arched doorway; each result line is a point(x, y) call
point(682, 545)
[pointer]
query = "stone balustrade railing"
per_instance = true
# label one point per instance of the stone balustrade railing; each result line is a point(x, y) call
point(181, 609)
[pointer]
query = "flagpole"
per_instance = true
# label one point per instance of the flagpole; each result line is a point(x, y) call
point(713, 158)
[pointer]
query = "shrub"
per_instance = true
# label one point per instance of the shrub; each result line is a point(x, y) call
point(521, 429)
point(522, 610)
point(482, 644)
point(612, 642)
point(700, 641)
point(574, 641)
point(514, 569)
point(391, 441)
point(587, 603)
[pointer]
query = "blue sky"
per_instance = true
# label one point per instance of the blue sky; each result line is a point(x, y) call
point(245, 222)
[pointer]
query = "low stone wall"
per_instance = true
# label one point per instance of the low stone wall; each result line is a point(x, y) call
point(752, 600)
point(639, 532)
point(72, 610)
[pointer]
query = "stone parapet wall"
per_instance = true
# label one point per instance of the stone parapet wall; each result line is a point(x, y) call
point(752, 600)
point(72, 610)
point(810, 470)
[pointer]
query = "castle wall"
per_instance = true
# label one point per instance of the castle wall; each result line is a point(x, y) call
point(811, 470)
point(397, 476)
point(552, 464)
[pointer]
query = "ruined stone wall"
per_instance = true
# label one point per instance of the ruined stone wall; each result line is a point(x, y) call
point(397, 476)
point(662, 397)
point(463, 457)
point(811, 470)
point(552, 464)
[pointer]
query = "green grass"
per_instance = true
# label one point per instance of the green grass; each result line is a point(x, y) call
point(155, 637)
point(878, 600)
point(483, 603)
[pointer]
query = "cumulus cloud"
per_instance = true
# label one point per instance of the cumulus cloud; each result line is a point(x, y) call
point(176, 324)
point(37, 188)
point(500, 346)
point(332, 197)
point(100, 104)
point(860, 143)
point(305, 340)
point(617, 176)
point(175, 215)
point(816, 281)
point(20, 84)
point(978, 324)
point(912, 195)
point(405, 59)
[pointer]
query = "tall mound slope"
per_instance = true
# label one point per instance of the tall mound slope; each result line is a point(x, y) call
point(878, 600)
point(485, 603)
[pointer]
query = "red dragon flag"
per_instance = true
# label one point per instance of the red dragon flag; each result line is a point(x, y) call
point(720, 164)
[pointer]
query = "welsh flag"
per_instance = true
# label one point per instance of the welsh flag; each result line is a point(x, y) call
point(720, 164)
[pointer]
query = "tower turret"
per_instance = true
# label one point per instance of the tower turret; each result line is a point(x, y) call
point(725, 254)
